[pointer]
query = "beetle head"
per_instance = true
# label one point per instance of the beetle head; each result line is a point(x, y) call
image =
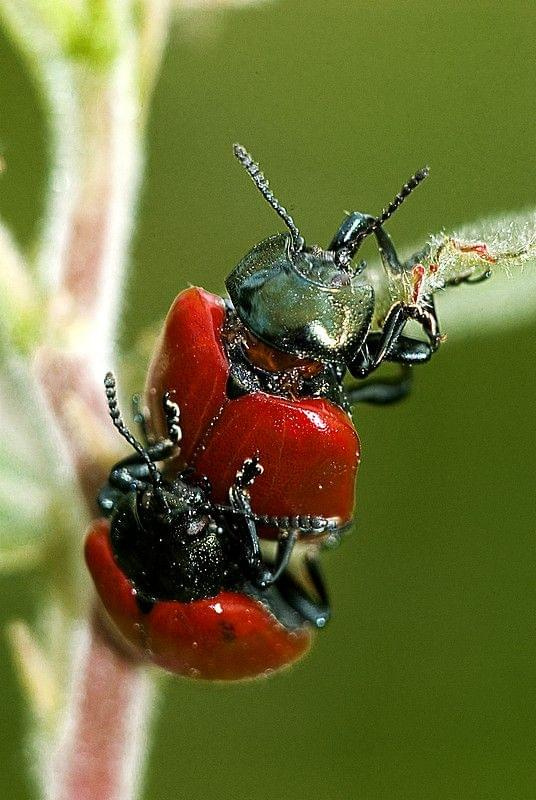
point(180, 508)
point(308, 301)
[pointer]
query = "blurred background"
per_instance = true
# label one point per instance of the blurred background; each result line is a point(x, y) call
point(423, 686)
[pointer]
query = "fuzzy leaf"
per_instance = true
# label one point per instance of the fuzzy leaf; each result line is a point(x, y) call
point(24, 485)
point(20, 306)
point(25, 475)
point(502, 248)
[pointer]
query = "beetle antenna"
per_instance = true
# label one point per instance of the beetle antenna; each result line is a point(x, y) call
point(240, 512)
point(345, 253)
point(306, 522)
point(261, 182)
point(115, 414)
point(404, 192)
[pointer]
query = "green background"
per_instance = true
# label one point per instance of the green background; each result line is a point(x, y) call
point(423, 686)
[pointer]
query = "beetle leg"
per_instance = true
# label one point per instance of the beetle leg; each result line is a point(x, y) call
point(123, 478)
point(426, 315)
point(470, 279)
point(367, 360)
point(381, 391)
point(136, 465)
point(162, 450)
point(387, 250)
point(285, 546)
point(246, 527)
point(109, 496)
point(390, 345)
point(172, 414)
point(316, 612)
point(250, 469)
point(404, 350)
point(389, 256)
point(131, 474)
point(262, 577)
point(244, 519)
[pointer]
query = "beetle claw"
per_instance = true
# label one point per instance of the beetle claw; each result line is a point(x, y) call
point(250, 469)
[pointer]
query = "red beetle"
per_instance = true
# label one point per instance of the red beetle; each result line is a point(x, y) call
point(307, 445)
point(264, 371)
point(182, 577)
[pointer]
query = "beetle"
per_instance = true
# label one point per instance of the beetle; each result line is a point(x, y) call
point(182, 577)
point(264, 369)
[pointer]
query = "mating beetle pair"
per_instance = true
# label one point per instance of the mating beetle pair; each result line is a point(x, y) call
point(259, 381)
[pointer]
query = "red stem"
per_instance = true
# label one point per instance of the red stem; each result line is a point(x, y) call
point(100, 749)
point(97, 754)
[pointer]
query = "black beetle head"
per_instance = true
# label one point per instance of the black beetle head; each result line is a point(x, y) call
point(179, 507)
point(188, 514)
point(179, 552)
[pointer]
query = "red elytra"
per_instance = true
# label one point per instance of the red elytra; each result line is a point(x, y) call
point(228, 637)
point(308, 447)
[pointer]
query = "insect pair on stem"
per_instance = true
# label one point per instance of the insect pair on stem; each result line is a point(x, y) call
point(269, 450)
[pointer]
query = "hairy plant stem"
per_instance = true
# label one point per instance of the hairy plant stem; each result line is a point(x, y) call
point(99, 742)
point(85, 308)
point(101, 748)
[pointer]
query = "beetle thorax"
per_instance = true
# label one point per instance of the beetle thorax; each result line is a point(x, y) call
point(303, 303)
point(256, 366)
